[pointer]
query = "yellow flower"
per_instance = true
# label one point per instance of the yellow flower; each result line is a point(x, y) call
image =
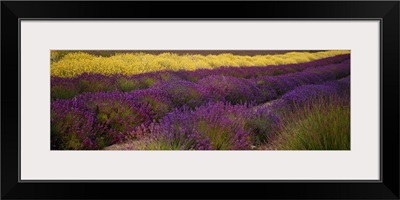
point(73, 64)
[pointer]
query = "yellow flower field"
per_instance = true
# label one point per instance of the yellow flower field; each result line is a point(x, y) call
point(74, 64)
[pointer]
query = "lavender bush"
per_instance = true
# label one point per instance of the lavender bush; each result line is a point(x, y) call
point(288, 82)
point(214, 126)
point(182, 92)
point(232, 89)
point(157, 100)
point(96, 120)
point(73, 126)
point(118, 111)
point(262, 123)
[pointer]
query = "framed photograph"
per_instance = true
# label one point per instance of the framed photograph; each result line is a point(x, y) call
point(204, 97)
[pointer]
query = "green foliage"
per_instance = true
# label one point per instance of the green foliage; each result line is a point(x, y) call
point(60, 92)
point(127, 85)
point(323, 125)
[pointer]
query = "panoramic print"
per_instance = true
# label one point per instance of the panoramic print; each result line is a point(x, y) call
point(200, 100)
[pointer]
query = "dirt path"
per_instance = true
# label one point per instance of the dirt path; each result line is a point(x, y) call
point(269, 103)
point(129, 145)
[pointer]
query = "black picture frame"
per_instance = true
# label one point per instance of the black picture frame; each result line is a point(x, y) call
point(13, 11)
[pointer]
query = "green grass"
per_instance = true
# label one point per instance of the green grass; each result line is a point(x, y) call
point(322, 125)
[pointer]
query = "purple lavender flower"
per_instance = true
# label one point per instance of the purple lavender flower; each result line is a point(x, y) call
point(117, 110)
point(307, 92)
point(63, 88)
point(262, 123)
point(156, 99)
point(72, 125)
point(287, 82)
point(211, 126)
point(232, 89)
point(96, 120)
point(182, 92)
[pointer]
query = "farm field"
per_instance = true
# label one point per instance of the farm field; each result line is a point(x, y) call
point(288, 100)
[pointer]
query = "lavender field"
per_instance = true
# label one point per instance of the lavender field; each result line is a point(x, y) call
point(302, 104)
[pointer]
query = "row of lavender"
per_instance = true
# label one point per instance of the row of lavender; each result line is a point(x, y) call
point(66, 88)
point(180, 113)
point(224, 126)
